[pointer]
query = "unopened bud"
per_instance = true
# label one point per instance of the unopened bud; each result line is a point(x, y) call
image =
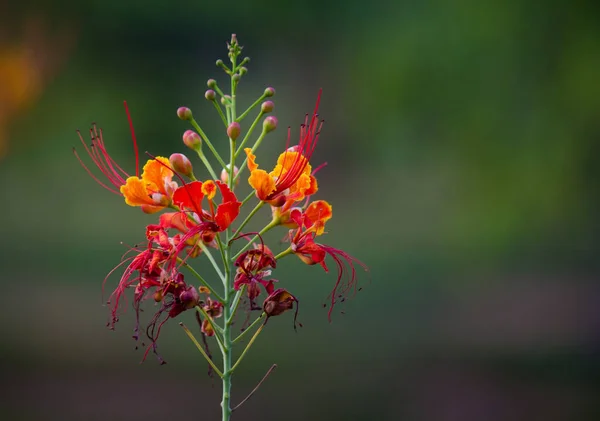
point(270, 91)
point(211, 83)
point(236, 77)
point(243, 70)
point(267, 106)
point(192, 140)
point(210, 95)
point(220, 63)
point(181, 164)
point(226, 100)
point(184, 113)
point(225, 174)
point(270, 123)
point(233, 131)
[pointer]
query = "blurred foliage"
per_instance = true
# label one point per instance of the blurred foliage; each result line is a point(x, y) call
point(461, 140)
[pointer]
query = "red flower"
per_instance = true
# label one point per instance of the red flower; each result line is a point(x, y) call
point(311, 223)
point(253, 266)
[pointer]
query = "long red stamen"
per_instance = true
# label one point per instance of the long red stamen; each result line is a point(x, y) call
point(135, 146)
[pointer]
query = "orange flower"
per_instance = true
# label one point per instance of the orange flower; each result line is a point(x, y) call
point(154, 189)
point(291, 179)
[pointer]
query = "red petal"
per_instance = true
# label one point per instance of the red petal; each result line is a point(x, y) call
point(189, 196)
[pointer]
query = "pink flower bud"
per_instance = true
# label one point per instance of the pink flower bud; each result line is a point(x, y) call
point(184, 113)
point(181, 164)
point(192, 140)
point(211, 83)
point(267, 106)
point(270, 91)
point(270, 123)
point(210, 95)
point(233, 131)
point(225, 175)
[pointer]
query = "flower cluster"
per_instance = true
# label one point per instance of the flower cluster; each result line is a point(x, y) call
point(200, 219)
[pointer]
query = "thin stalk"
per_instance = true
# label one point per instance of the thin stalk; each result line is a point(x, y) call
point(248, 218)
point(256, 145)
point(250, 130)
point(208, 142)
point(220, 111)
point(202, 351)
point(273, 367)
point(272, 224)
point(236, 303)
point(218, 330)
point(249, 328)
point(200, 278)
point(247, 347)
point(284, 253)
point(207, 165)
point(212, 260)
point(250, 196)
point(250, 108)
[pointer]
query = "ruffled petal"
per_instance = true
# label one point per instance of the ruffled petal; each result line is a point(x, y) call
point(157, 171)
point(252, 165)
point(262, 182)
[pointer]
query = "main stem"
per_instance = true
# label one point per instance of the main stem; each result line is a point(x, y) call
point(228, 281)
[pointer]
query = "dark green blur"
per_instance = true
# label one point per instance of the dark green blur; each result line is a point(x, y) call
point(462, 141)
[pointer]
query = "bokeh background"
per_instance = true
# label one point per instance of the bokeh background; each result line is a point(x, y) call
point(462, 141)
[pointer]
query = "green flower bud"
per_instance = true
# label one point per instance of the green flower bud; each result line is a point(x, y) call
point(270, 123)
point(184, 113)
point(270, 91)
point(267, 106)
point(210, 95)
point(211, 83)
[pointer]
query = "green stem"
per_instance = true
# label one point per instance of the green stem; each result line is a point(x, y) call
point(207, 165)
point(248, 218)
point(220, 111)
point(212, 260)
point(272, 224)
point(249, 328)
point(200, 278)
point(250, 130)
point(208, 142)
point(256, 145)
point(218, 330)
point(284, 253)
point(202, 351)
point(236, 303)
point(247, 347)
point(250, 108)
point(250, 196)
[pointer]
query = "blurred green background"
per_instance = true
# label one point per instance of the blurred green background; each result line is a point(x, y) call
point(462, 141)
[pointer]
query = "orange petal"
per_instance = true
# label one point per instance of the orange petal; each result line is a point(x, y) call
point(314, 186)
point(157, 171)
point(136, 192)
point(317, 214)
point(262, 182)
point(252, 165)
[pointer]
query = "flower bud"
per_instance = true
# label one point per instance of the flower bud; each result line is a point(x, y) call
point(270, 123)
point(279, 302)
point(219, 63)
point(236, 77)
point(184, 113)
point(267, 106)
point(192, 140)
point(243, 70)
point(270, 91)
point(233, 131)
point(181, 164)
point(211, 83)
point(225, 174)
point(226, 100)
point(210, 95)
